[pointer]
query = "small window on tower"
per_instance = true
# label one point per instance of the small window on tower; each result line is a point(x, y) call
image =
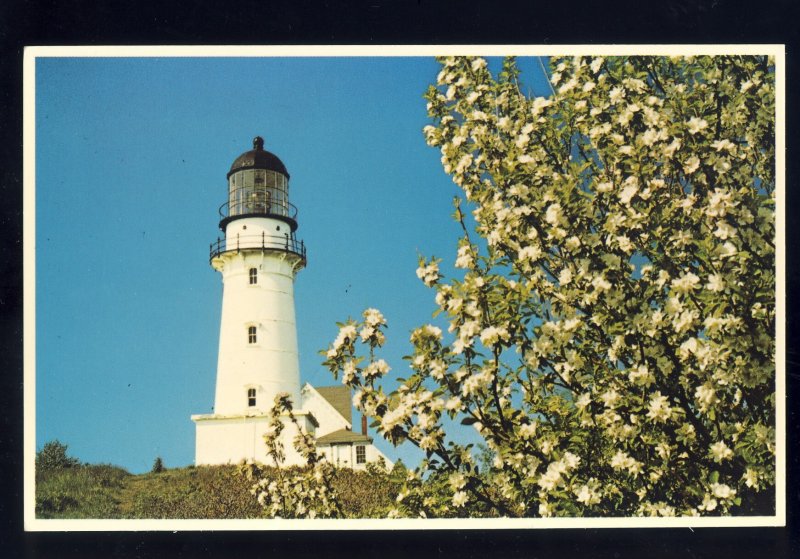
point(251, 334)
point(251, 397)
point(361, 454)
point(253, 276)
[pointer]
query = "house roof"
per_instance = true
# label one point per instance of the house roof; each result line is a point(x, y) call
point(343, 436)
point(339, 398)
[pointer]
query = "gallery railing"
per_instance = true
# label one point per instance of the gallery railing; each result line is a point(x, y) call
point(263, 241)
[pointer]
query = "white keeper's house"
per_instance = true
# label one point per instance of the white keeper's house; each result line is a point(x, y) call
point(258, 259)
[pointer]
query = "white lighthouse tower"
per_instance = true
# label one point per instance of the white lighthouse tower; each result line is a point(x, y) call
point(258, 258)
point(258, 359)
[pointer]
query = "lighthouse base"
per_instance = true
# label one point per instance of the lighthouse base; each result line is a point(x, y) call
point(325, 413)
point(231, 439)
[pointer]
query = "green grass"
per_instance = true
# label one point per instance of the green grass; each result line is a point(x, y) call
point(105, 491)
point(80, 491)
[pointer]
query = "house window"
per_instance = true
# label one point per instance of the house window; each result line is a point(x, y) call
point(251, 334)
point(361, 454)
point(251, 397)
point(253, 276)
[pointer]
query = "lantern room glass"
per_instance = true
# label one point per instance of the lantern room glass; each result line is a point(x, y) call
point(258, 191)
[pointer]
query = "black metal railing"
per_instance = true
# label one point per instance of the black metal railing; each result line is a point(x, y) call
point(263, 241)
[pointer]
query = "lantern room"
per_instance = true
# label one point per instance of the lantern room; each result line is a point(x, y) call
point(257, 214)
point(258, 186)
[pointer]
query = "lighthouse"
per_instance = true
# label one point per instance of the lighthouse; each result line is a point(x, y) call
point(258, 257)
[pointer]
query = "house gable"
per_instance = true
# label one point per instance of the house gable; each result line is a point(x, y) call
point(330, 405)
point(338, 397)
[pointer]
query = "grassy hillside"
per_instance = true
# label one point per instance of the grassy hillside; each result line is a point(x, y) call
point(106, 491)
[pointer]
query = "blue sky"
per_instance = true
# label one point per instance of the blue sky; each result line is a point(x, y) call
point(131, 158)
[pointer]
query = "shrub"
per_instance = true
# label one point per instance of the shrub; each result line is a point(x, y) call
point(158, 466)
point(368, 494)
point(54, 456)
point(202, 492)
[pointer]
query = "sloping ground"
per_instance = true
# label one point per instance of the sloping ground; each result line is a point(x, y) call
point(104, 491)
point(205, 492)
point(80, 492)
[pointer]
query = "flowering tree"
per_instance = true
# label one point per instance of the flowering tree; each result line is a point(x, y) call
point(612, 335)
point(303, 493)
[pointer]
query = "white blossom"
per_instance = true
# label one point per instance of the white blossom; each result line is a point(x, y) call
point(629, 190)
point(724, 231)
point(720, 451)
point(722, 491)
point(616, 95)
point(686, 283)
point(539, 104)
point(691, 165)
point(587, 495)
point(706, 396)
point(696, 124)
point(493, 335)
point(724, 145)
point(429, 274)
point(459, 498)
point(715, 282)
point(478, 63)
point(659, 408)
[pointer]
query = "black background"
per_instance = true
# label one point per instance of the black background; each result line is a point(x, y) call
point(375, 22)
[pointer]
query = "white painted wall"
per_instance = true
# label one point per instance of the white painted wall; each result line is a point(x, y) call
point(250, 231)
point(229, 440)
point(270, 365)
point(344, 455)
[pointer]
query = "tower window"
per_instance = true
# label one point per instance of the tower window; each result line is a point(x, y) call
point(251, 397)
point(253, 276)
point(251, 334)
point(361, 454)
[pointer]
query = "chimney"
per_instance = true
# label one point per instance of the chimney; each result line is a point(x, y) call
point(363, 424)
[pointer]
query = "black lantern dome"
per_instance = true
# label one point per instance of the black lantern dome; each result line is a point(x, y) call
point(258, 158)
